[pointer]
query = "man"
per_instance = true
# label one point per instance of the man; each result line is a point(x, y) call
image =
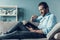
point(46, 22)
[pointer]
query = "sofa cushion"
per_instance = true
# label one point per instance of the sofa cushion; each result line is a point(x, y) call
point(10, 39)
point(26, 39)
point(6, 26)
point(36, 39)
point(55, 29)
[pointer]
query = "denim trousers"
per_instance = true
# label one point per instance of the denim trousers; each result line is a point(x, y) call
point(22, 32)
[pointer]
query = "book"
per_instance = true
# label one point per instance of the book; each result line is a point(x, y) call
point(31, 24)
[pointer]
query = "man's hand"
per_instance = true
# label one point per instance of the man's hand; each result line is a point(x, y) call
point(33, 17)
point(31, 29)
point(37, 31)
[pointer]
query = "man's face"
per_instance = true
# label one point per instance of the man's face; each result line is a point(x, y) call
point(42, 10)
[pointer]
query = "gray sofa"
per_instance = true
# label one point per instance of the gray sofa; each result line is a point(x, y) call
point(54, 33)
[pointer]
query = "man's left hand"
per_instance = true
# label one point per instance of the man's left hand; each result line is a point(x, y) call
point(31, 29)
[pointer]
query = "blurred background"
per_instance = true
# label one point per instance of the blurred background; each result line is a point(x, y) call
point(27, 8)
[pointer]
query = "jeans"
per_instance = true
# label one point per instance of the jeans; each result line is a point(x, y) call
point(22, 32)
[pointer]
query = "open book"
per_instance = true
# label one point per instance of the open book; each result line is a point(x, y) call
point(32, 24)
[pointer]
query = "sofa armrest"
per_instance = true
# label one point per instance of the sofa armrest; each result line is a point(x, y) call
point(54, 30)
point(57, 36)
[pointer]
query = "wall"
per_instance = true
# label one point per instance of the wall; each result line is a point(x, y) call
point(31, 6)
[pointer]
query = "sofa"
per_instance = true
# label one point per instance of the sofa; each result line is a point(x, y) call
point(54, 34)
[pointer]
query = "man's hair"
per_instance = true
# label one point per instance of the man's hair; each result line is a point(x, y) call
point(44, 4)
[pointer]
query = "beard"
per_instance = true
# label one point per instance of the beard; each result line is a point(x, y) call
point(43, 14)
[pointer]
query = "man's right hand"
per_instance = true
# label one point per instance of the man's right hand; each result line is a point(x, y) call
point(33, 17)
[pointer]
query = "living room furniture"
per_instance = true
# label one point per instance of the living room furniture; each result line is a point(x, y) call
point(8, 13)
